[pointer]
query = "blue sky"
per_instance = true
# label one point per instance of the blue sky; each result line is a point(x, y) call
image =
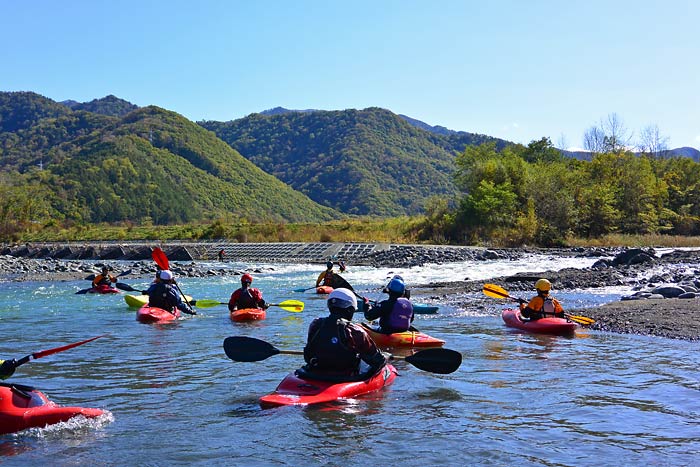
point(517, 70)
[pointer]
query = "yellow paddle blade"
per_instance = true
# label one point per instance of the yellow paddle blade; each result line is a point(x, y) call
point(583, 320)
point(295, 306)
point(492, 290)
point(207, 303)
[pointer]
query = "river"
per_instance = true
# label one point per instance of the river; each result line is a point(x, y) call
point(174, 398)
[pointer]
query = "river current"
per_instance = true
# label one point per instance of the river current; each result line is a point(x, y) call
point(174, 398)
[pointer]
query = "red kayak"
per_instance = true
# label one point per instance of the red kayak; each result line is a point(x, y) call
point(548, 325)
point(324, 289)
point(402, 339)
point(151, 314)
point(297, 390)
point(23, 407)
point(103, 289)
point(247, 314)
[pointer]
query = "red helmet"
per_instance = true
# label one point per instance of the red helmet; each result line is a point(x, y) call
point(246, 278)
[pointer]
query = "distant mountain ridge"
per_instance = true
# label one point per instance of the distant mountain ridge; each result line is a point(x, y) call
point(365, 162)
point(108, 105)
point(150, 165)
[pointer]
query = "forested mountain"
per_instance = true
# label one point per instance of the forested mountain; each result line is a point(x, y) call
point(367, 162)
point(149, 165)
point(109, 105)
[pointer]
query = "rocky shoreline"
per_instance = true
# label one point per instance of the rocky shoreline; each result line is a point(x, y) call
point(666, 304)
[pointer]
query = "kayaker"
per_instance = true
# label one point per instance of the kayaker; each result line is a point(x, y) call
point(327, 277)
point(395, 314)
point(104, 278)
point(541, 305)
point(335, 345)
point(163, 294)
point(246, 296)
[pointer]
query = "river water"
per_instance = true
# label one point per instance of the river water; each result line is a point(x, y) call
point(175, 399)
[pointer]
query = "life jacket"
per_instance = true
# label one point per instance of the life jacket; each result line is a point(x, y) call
point(101, 279)
point(329, 278)
point(399, 320)
point(327, 347)
point(246, 299)
point(162, 296)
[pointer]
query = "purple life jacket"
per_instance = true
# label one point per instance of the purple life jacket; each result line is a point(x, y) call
point(400, 316)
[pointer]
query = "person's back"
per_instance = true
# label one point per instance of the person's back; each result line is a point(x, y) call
point(335, 345)
point(162, 294)
point(395, 314)
point(542, 304)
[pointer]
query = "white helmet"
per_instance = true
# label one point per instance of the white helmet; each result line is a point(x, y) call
point(166, 275)
point(342, 298)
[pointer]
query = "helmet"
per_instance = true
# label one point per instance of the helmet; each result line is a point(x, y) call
point(166, 275)
point(543, 285)
point(342, 298)
point(396, 286)
point(246, 278)
point(329, 265)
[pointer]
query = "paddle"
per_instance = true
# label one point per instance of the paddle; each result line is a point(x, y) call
point(492, 290)
point(9, 366)
point(249, 349)
point(161, 260)
point(304, 290)
point(295, 306)
point(128, 288)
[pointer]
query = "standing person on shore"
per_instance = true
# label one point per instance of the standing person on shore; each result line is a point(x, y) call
point(335, 345)
point(395, 313)
point(163, 294)
point(542, 304)
point(246, 296)
point(221, 254)
point(104, 278)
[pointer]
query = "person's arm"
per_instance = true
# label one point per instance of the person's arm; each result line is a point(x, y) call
point(374, 311)
point(558, 309)
point(96, 281)
point(113, 279)
point(531, 308)
point(233, 301)
point(313, 327)
point(259, 301)
point(360, 341)
point(320, 278)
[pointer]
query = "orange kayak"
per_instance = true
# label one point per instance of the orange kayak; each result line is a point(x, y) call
point(402, 339)
point(548, 325)
point(324, 289)
point(247, 314)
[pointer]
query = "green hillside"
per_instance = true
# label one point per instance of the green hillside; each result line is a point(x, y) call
point(366, 162)
point(149, 165)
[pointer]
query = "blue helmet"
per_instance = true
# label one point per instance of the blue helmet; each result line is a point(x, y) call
point(396, 286)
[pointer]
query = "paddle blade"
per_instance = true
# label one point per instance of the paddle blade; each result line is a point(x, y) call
point(160, 258)
point(582, 320)
point(126, 287)
point(44, 353)
point(492, 290)
point(295, 306)
point(206, 303)
point(304, 290)
point(248, 349)
point(442, 361)
point(124, 273)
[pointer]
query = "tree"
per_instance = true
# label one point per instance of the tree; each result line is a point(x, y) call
point(610, 135)
point(652, 142)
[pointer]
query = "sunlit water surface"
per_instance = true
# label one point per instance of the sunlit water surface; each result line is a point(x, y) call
point(175, 399)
